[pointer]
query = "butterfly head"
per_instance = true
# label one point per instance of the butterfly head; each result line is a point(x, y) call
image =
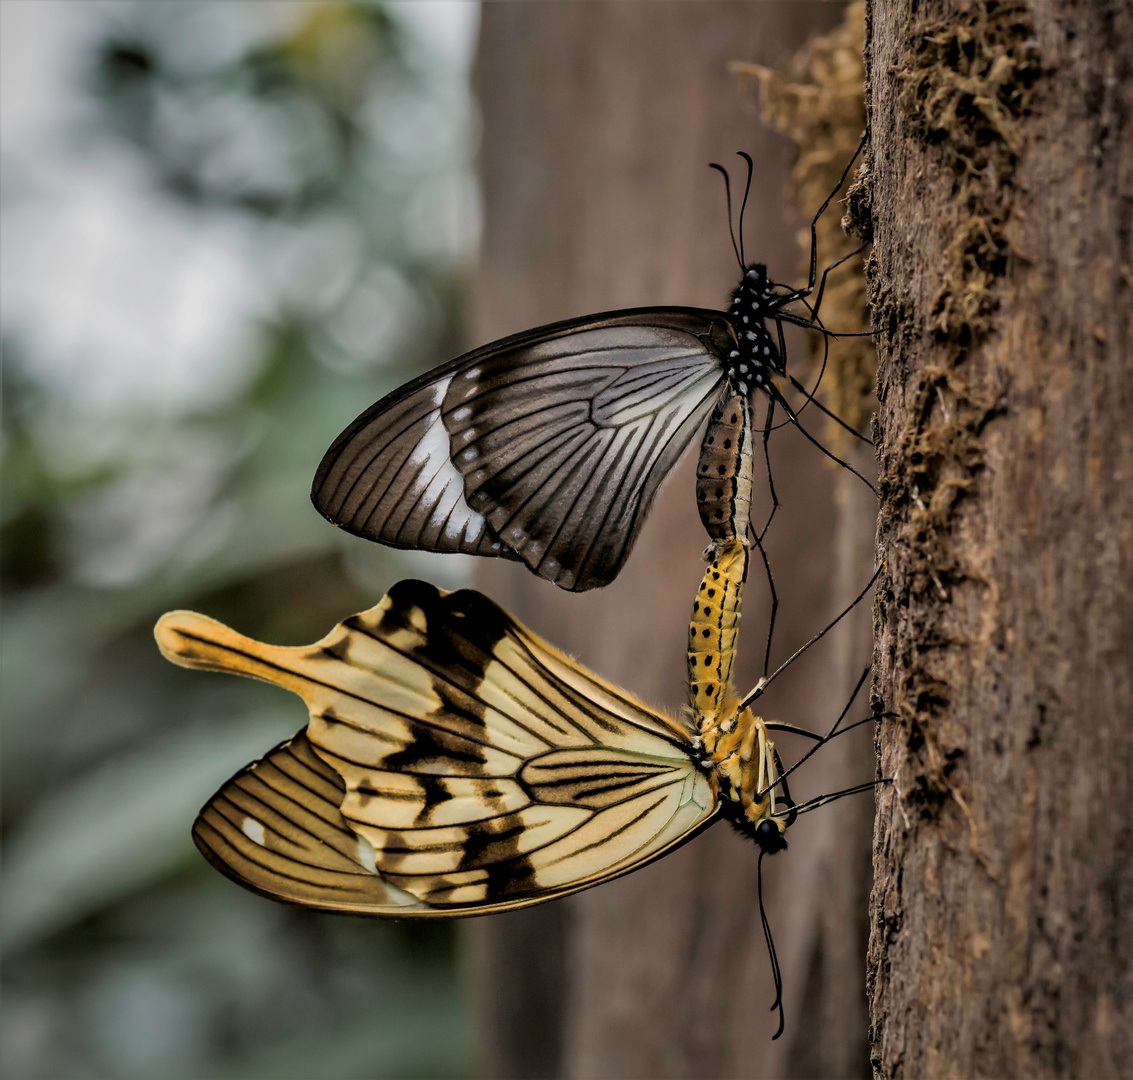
point(771, 835)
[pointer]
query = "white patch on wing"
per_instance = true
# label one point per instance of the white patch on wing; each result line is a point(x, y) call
point(367, 856)
point(253, 830)
point(434, 443)
point(441, 486)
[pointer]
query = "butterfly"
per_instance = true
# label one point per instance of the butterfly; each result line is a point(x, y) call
point(549, 446)
point(455, 763)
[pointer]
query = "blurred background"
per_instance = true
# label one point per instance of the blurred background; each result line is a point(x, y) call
point(227, 228)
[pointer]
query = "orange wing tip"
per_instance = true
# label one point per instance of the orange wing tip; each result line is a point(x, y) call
point(192, 640)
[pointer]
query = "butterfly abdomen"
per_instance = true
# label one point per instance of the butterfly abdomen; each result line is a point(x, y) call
point(723, 471)
point(712, 632)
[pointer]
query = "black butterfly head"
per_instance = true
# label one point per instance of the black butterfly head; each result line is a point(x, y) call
point(770, 836)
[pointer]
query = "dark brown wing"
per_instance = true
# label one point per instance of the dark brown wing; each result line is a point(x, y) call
point(551, 444)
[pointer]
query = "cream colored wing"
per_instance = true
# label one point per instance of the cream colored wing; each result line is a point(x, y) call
point(474, 767)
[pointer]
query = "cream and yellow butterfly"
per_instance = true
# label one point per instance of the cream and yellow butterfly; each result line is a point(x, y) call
point(454, 764)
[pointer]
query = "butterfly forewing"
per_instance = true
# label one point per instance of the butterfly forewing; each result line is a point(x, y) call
point(389, 477)
point(561, 436)
point(454, 763)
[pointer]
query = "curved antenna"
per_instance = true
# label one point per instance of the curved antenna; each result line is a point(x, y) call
point(775, 973)
point(728, 195)
point(743, 207)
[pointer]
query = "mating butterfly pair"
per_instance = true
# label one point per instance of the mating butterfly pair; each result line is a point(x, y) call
point(454, 763)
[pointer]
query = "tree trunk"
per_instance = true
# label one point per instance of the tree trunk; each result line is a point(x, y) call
point(1002, 167)
point(599, 122)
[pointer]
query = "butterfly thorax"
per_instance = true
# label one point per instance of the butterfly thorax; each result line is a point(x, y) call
point(746, 768)
point(756, 358)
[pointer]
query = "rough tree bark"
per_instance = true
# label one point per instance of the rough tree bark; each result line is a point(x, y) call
point(599, 120)
point(1002, 171)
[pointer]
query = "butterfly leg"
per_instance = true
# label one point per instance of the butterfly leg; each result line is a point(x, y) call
point(798, 294)
point(822, 284)
point(835, 729)
point(762, 684)
point(774, 601)
point(811, 439)
point(810, 395)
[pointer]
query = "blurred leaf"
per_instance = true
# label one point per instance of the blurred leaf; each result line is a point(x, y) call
point(421, 1032)
point(302, 154)
point(122, 826)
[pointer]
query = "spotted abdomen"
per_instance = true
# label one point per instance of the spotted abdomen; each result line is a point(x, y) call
point(712, 632)
point(723, 472)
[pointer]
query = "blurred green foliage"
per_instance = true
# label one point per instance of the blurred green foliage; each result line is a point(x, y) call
point(336, 146)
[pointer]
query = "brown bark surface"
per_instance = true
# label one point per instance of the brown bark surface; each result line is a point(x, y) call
point(1002, 172)
point(599, 122)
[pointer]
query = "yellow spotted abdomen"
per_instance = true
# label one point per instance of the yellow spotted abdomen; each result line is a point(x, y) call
point(713, 629)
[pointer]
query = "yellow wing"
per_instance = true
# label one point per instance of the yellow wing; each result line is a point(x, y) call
point(454, 764)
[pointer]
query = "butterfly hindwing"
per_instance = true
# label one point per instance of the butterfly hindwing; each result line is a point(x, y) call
point(276, 828)
point(561, 437)
point(452, 756)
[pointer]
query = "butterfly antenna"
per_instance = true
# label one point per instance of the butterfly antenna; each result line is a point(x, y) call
point(764, 683)
point(743, 206)
point(728, 196)
point(775, 973)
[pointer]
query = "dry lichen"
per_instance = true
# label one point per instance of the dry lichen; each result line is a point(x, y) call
point(969, 82)
point(820, 106)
